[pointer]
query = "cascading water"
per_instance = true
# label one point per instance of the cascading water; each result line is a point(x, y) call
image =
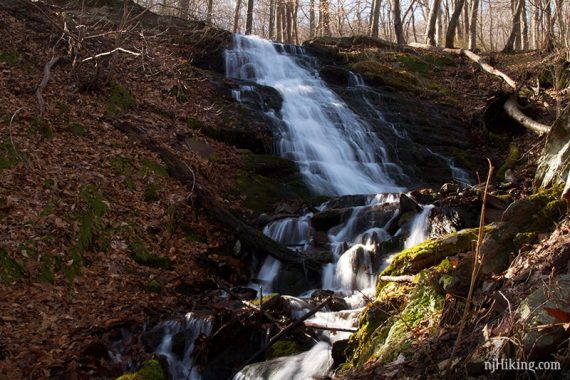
point(335, 150)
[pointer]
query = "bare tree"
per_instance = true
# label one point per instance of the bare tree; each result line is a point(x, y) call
point(509, 46)
point(432, 21)
point(452, 27)
point(397, 16)
point(249, 19)
point(473, 24)
point(271, 30)
point(324, 18)
point(312, 19)
point(236, 16)
point(375, 18)
point(209, 11)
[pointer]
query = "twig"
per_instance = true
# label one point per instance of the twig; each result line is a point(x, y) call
point(404, 278)
point(111, 52)
point(10, 132)
point(477, 261)
point(331, 328)
point(44, 82)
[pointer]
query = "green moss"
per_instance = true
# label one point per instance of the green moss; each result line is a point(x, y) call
point(423, 64)
point(10, 269)
point(9, 157)
point(77, 129)
point(119, 100)
point(381, 74)
point(266, 297)
point(48, 209)
point(282, 347)
point(143, 256)
point(524, 238)
point(512, 159)
point(151, 370)
point(151, 192)
point(153, 286)
point(149, 166)
point(10, 57)
point(431, 252)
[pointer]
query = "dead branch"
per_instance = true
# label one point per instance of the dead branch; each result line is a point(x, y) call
point(289, 327)
point(44, 82)
point(403, 278)
point(330, 328)
point(111, 52)
point(477, 262)
point(512, 109)
point(10, 132)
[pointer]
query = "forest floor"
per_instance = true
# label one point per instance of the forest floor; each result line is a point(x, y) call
point(95, 236)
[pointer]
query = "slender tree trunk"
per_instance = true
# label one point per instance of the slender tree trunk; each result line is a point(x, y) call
point(312, 19)
point(397, 15)
point(490, 26)
point(289, 21)
point(376, 18)
point(284, 21)
point(209, 11)
point(515, 28)
point(535, 25)
point(279, 21)
point(249, 19)
point(271, 30)
point(414, 27)
point(524, 27)
point(183, 7)
point(325, 18)
point(451, 28)
point(439, 40)
point(295, 29)
point(466, 16)
point(432, 22)
point(236, 16)
point(473, 24)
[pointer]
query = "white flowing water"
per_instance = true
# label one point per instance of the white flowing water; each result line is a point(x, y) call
point(420, 227)
point(336, 151)
point(183, 367)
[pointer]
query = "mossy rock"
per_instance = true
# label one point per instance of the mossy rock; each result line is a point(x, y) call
point(119, 100)
point(10, 57)
point(378, 74)
point(270, 165)
point(9, 156)
point(431, 252)
point(151, 370)
point(283, 347)
point(512, 159)
point(10, 269)
point(143, 256)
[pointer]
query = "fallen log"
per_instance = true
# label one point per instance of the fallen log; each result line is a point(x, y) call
point(403, 278)
point(330, 328)
point(511, 106)
point(250, 237)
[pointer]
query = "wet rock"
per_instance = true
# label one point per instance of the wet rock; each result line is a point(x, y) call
point(151, 339)
point(409, 204)
point(376, 216)
point(325, 220)
point(539, 343)
point(338, 352)
point(335, 74)
point(448, 188)
point(245, 293)
point(256, 96)
point(337, 303)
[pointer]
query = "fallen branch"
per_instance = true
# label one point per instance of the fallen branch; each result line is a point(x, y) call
point(403, 278)
point(111, 52)
point(44, 83)
point(512, 109)
point(289, 327)
point(330, 328)
point(511, 106)
point(10, 133)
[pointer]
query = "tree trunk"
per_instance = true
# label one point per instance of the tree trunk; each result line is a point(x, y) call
point(517, 24)
point(236, 16)
point(473, 25)
point(209, 12)
point(271, 30)
point(278, 21)
point(432, 22)
point(450, 35)
point(535, 25)
point(524, 27)
point(376, 18)
point(312, 19)
point(295, 29)
point(289, 21)
point(183, 7)
point(515, 28)
point(325, 18)
point(397, 16)
point(249, 19)
point(548, 43)
point(466, 17)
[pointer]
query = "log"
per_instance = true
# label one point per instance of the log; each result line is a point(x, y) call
point(285, 330)
point(511, 106)
point(512, 109)
point(403, 278)
point(249, 236)
point(330, 328)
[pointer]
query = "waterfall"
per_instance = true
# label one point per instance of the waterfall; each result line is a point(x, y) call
point(336, 151)
point(420, 226)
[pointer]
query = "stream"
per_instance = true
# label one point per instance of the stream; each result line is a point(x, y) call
point(338, 155)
